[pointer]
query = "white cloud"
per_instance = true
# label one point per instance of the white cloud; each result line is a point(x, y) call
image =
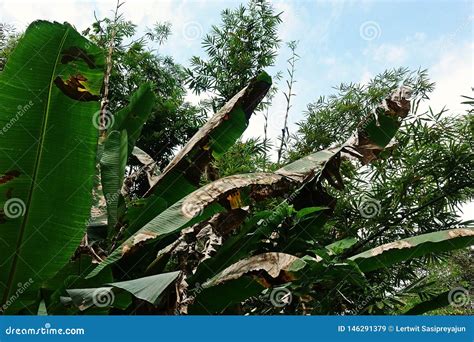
point(388, 53)
point(79, 13)
point(467, 211)
point(319, 67)
point(454, 76)
point(401, 52)
point(366, 77)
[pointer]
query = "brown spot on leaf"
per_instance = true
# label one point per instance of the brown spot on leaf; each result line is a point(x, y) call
point(392, 245)
point(272, 264)
point(9, 175)
point(461, 232)
point(75, 53)
point(75, 88)
point(137, 239)
point(220, 188)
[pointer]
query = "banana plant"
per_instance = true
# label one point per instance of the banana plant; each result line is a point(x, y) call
point(278, 268)
point(217, 135)
point(117, 148)
point(49, 92)
point(222, 288)
point(49, 158)
point(235, 191)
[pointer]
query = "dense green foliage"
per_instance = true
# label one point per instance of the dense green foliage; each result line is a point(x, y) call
point(136, 61)
point(419, 186)
point(241, 47)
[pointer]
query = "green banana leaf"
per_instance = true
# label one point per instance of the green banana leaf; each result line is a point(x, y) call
point(394, 252)
point(72, 276)
point(133, 116)
point(215, 300)
point(49, 92)
point(147, 288)
point(112, 166)
point(341, 245)
point(129, 122)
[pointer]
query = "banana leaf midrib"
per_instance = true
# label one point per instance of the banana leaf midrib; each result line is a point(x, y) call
point(39, 153)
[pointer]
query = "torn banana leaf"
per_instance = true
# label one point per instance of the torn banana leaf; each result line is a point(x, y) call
point(236, 191)
point(236, 247)
point(218, 134)
point(244, 279)
point(402, 250)
point(198, 206)
point(201, 205)
point(273, 264)
point(184, 172)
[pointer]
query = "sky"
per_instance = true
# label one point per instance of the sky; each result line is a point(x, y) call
point(339, 41)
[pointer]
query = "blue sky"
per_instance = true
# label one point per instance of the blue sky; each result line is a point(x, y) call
point(340, 41)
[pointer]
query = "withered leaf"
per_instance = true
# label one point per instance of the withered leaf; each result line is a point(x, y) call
point(75, 88)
